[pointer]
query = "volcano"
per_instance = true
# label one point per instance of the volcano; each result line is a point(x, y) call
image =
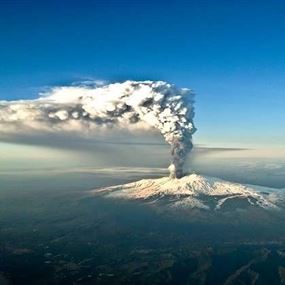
point(196, 191)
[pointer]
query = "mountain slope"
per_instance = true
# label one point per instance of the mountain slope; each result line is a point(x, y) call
point(196, 191)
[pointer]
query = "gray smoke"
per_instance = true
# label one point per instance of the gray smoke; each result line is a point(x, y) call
point(135, 105)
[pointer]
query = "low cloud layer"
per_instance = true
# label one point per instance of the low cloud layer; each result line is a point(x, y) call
point(132, 105)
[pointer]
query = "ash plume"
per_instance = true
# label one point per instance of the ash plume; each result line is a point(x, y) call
point(133, 105)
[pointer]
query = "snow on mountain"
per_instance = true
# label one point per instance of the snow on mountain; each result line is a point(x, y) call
point(195, 191)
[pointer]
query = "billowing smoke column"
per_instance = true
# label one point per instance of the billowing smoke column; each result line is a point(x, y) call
point(131, 104)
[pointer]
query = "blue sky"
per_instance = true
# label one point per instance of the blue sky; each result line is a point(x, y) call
point(230, 52)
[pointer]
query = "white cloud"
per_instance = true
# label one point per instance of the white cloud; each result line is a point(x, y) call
point(132, 105)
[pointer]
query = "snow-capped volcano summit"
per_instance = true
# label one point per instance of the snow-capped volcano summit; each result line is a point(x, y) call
point(195, 191)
